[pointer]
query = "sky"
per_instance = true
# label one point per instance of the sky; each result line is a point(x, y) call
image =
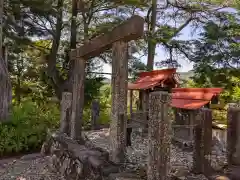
point(161, 54)
point(185, 34)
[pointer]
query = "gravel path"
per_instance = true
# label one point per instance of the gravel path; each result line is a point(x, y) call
point(29, 167)
point(181, 161)
point(35, 167)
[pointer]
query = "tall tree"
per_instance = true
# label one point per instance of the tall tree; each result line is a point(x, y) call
point(151, 32)
point(5, 92)
point(172, 18)
point(216, 54)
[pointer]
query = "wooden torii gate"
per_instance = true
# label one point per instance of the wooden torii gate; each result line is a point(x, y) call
point(117, 39)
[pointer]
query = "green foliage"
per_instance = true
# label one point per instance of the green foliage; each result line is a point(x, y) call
point(31, 60)
point(220, 116)
point(28, 127)
point(104, 98)
point(105, 104)
point(216, 56)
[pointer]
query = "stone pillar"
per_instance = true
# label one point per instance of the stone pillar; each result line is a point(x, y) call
point(95, 114)
point(66, 104)
point(175, 116)
point(233, 136)
point(145, 108)
point(131, 101)
point(179, 116)
point(78, 98)
point(145, 101)
point(140, 99)
point(159, 136)
point(119, 98)
point(192, 121)
point(203, 142)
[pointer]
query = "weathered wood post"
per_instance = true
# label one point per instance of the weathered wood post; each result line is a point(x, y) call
point(203, 142)
point(119, 97)
point(66, 104)
point(78, 97)
point(121, 149)
point(131, 29)
point(95, 111)
point(159, 136)
point(233, 136)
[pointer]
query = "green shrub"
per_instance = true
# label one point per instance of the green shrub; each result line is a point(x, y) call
point(28, 127)
point(220, 116)
point(104, 116)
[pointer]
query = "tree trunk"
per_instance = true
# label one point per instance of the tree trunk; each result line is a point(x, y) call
point(78, 98)
point(73, 40)
point(52, 58)
point(5, 83)
point(151, 43)
point(68, 84)
point(18, 89)
point(5, 91)
point(151, 51)
point(1, 28)
point(73, 43)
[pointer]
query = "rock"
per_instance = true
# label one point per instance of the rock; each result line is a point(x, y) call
point(45, 150)
point(65, 165)
point(110, 169)
point(92, 159)
point(181, 172)
point(54, 163)
point(142, 172)
point(75, 161)
point(31, 156)
point(123, 176)
point(79, 168)
point(95, 162)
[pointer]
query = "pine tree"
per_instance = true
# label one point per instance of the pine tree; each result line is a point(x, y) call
point(5, 92)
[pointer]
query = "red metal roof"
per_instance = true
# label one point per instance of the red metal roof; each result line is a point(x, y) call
point(205, 90)
point(193, 98)
point(143, 85)
point(188, 104)
point(151, 79)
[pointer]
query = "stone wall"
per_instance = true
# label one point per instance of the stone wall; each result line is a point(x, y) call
point(76, 161)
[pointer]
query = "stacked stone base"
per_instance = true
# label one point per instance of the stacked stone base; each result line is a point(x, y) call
point(79, 162)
